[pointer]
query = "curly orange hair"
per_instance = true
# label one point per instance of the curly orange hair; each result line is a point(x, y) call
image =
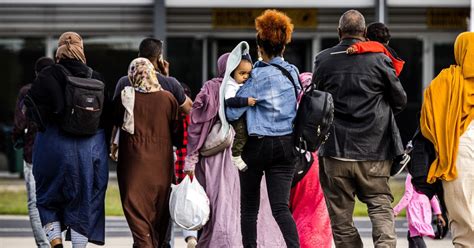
point(274, 26)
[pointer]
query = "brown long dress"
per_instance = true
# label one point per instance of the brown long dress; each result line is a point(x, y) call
point(145, 167)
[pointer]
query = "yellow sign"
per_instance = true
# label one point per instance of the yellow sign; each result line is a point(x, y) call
point(245, 18)
point(447, 18)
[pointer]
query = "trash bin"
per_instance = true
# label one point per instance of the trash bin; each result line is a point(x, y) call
point(14, 156)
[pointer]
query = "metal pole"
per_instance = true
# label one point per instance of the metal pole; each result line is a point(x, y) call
point(381, 11)
point(49, 47)
point(159, 21)
point(204, 59)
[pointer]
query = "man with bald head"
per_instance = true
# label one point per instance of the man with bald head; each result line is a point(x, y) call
point(356, 158)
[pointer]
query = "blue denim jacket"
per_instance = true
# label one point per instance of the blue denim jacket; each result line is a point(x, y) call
point(275, 110)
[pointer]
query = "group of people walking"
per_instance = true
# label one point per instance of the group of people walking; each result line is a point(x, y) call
point(253, 199)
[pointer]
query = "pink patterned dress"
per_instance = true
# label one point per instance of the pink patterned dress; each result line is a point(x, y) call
point(419, 213)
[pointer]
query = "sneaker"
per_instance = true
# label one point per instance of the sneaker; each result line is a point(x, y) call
point(192, 242)
point(239, 163)
point(399, 164)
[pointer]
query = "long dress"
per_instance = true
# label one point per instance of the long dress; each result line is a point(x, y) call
point(309, 210)
point(145, 168)
point(221, 182)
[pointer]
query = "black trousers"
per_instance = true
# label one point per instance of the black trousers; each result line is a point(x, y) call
point(415, 242)
point(276, 157)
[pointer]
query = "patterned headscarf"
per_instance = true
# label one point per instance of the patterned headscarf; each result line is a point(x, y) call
point(70, 46)
point(142, 76)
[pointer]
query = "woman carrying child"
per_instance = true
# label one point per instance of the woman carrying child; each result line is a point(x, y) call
point(216, 173)
point(270, 144)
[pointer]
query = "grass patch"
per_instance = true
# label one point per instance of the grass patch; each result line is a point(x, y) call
point(397, 187)
point(13, 202)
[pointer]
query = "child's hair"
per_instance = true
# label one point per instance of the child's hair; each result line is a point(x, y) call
point(274, 30)
point(377, 31)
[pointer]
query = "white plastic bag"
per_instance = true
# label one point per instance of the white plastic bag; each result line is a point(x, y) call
point(189, 204)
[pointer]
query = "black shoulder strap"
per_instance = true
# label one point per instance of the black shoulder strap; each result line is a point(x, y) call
point(64, 69)
point(287, 74)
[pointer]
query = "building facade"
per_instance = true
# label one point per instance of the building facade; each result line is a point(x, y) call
point(197, 32)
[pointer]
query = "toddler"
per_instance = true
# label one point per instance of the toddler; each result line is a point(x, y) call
point(418, 214)
point(378, 36)
point(236, 80)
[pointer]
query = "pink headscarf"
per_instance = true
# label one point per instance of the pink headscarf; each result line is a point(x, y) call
point(305, 79)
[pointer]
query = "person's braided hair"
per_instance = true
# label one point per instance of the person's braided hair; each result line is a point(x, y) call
point(274, 29)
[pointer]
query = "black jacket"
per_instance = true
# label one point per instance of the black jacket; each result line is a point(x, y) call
point(366, 94)
point(48, 88)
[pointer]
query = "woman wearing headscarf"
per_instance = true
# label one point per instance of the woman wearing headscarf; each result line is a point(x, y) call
point(147, 116)
point(220, 178)
point(270, 147)
point(446, 120)
point(71, 172)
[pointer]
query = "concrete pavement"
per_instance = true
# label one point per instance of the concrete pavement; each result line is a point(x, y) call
point(15, 232)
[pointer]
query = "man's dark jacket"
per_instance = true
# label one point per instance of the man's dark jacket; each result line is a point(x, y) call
point(366, 94)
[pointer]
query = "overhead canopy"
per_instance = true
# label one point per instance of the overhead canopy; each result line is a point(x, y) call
point(257, 4)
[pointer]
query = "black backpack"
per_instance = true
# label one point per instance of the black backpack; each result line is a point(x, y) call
point(311, 126)
point(314, 116)
point(84, 100)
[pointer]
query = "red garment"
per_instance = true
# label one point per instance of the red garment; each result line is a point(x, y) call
point(181, 152)
point(309, 210)
point(377, 47)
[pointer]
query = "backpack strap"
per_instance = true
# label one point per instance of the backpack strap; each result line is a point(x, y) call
point(64, 70)
point(287, 74)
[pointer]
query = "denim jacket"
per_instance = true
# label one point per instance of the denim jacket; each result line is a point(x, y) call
point(275, 110)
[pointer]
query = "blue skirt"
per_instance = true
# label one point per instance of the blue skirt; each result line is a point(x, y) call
point(71, 176)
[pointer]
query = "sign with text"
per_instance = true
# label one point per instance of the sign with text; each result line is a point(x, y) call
point(245, 18)
point(447, 18)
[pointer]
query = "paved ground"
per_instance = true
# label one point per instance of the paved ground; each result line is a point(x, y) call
point(16, 232)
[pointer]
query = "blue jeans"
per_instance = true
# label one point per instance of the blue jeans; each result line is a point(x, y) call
point(38, 232)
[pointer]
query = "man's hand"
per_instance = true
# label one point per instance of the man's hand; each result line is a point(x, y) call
point(114, 152)
point(252, 101)
point(190, 173)
point(164, 67)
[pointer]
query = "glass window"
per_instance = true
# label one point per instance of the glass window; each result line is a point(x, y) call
point(185, 58)
point(17, 69)
point(111, 61)
point(443, 57)
point(298, 52)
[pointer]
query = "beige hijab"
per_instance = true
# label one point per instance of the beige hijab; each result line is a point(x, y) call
point(70, 47)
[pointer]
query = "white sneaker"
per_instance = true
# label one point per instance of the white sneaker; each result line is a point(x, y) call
point(192, 242)
point(239, 163)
